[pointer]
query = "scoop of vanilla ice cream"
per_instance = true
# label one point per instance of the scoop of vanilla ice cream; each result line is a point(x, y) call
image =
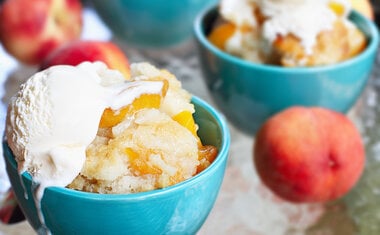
point(56, 113)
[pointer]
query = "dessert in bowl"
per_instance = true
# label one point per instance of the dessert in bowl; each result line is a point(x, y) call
point(249, 90)
point(95, 183)
point(150, 24)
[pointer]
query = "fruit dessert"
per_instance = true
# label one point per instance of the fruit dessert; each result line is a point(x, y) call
point(287, 32)
point(88, 128)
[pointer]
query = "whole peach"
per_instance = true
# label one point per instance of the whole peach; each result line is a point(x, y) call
point(309, 154)
point(75, 52)
point(30, 30)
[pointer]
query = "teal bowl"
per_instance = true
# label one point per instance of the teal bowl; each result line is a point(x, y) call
point(151, 23)
point(249, 93)
point(178, 209)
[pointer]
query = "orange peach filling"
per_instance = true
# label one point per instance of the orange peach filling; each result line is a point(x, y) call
point(140, 164)
point(206, 155)
point(221, 34)
point(185, 118)
point(111, 117)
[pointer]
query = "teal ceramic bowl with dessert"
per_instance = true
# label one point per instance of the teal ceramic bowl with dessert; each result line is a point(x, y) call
point(249, 92)
point(138, 156)
point(178, 209)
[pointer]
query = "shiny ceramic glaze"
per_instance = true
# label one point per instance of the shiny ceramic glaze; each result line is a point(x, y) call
point(151, 23)
point(249, 93)
point(179, 209)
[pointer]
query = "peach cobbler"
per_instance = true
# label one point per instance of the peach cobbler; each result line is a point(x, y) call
point(151, 143)
point(287, 32)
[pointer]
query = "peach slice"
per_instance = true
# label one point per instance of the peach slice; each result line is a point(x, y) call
point(185, 118)
point(111, 117)
point(337, 8)
point(221, 34)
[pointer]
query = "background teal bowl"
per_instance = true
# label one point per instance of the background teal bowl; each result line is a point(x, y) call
point(249, 93)
point(151, 23)
point(179, 209)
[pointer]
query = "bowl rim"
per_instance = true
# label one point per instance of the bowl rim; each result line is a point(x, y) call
point(355, 17)
point(218, 162)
